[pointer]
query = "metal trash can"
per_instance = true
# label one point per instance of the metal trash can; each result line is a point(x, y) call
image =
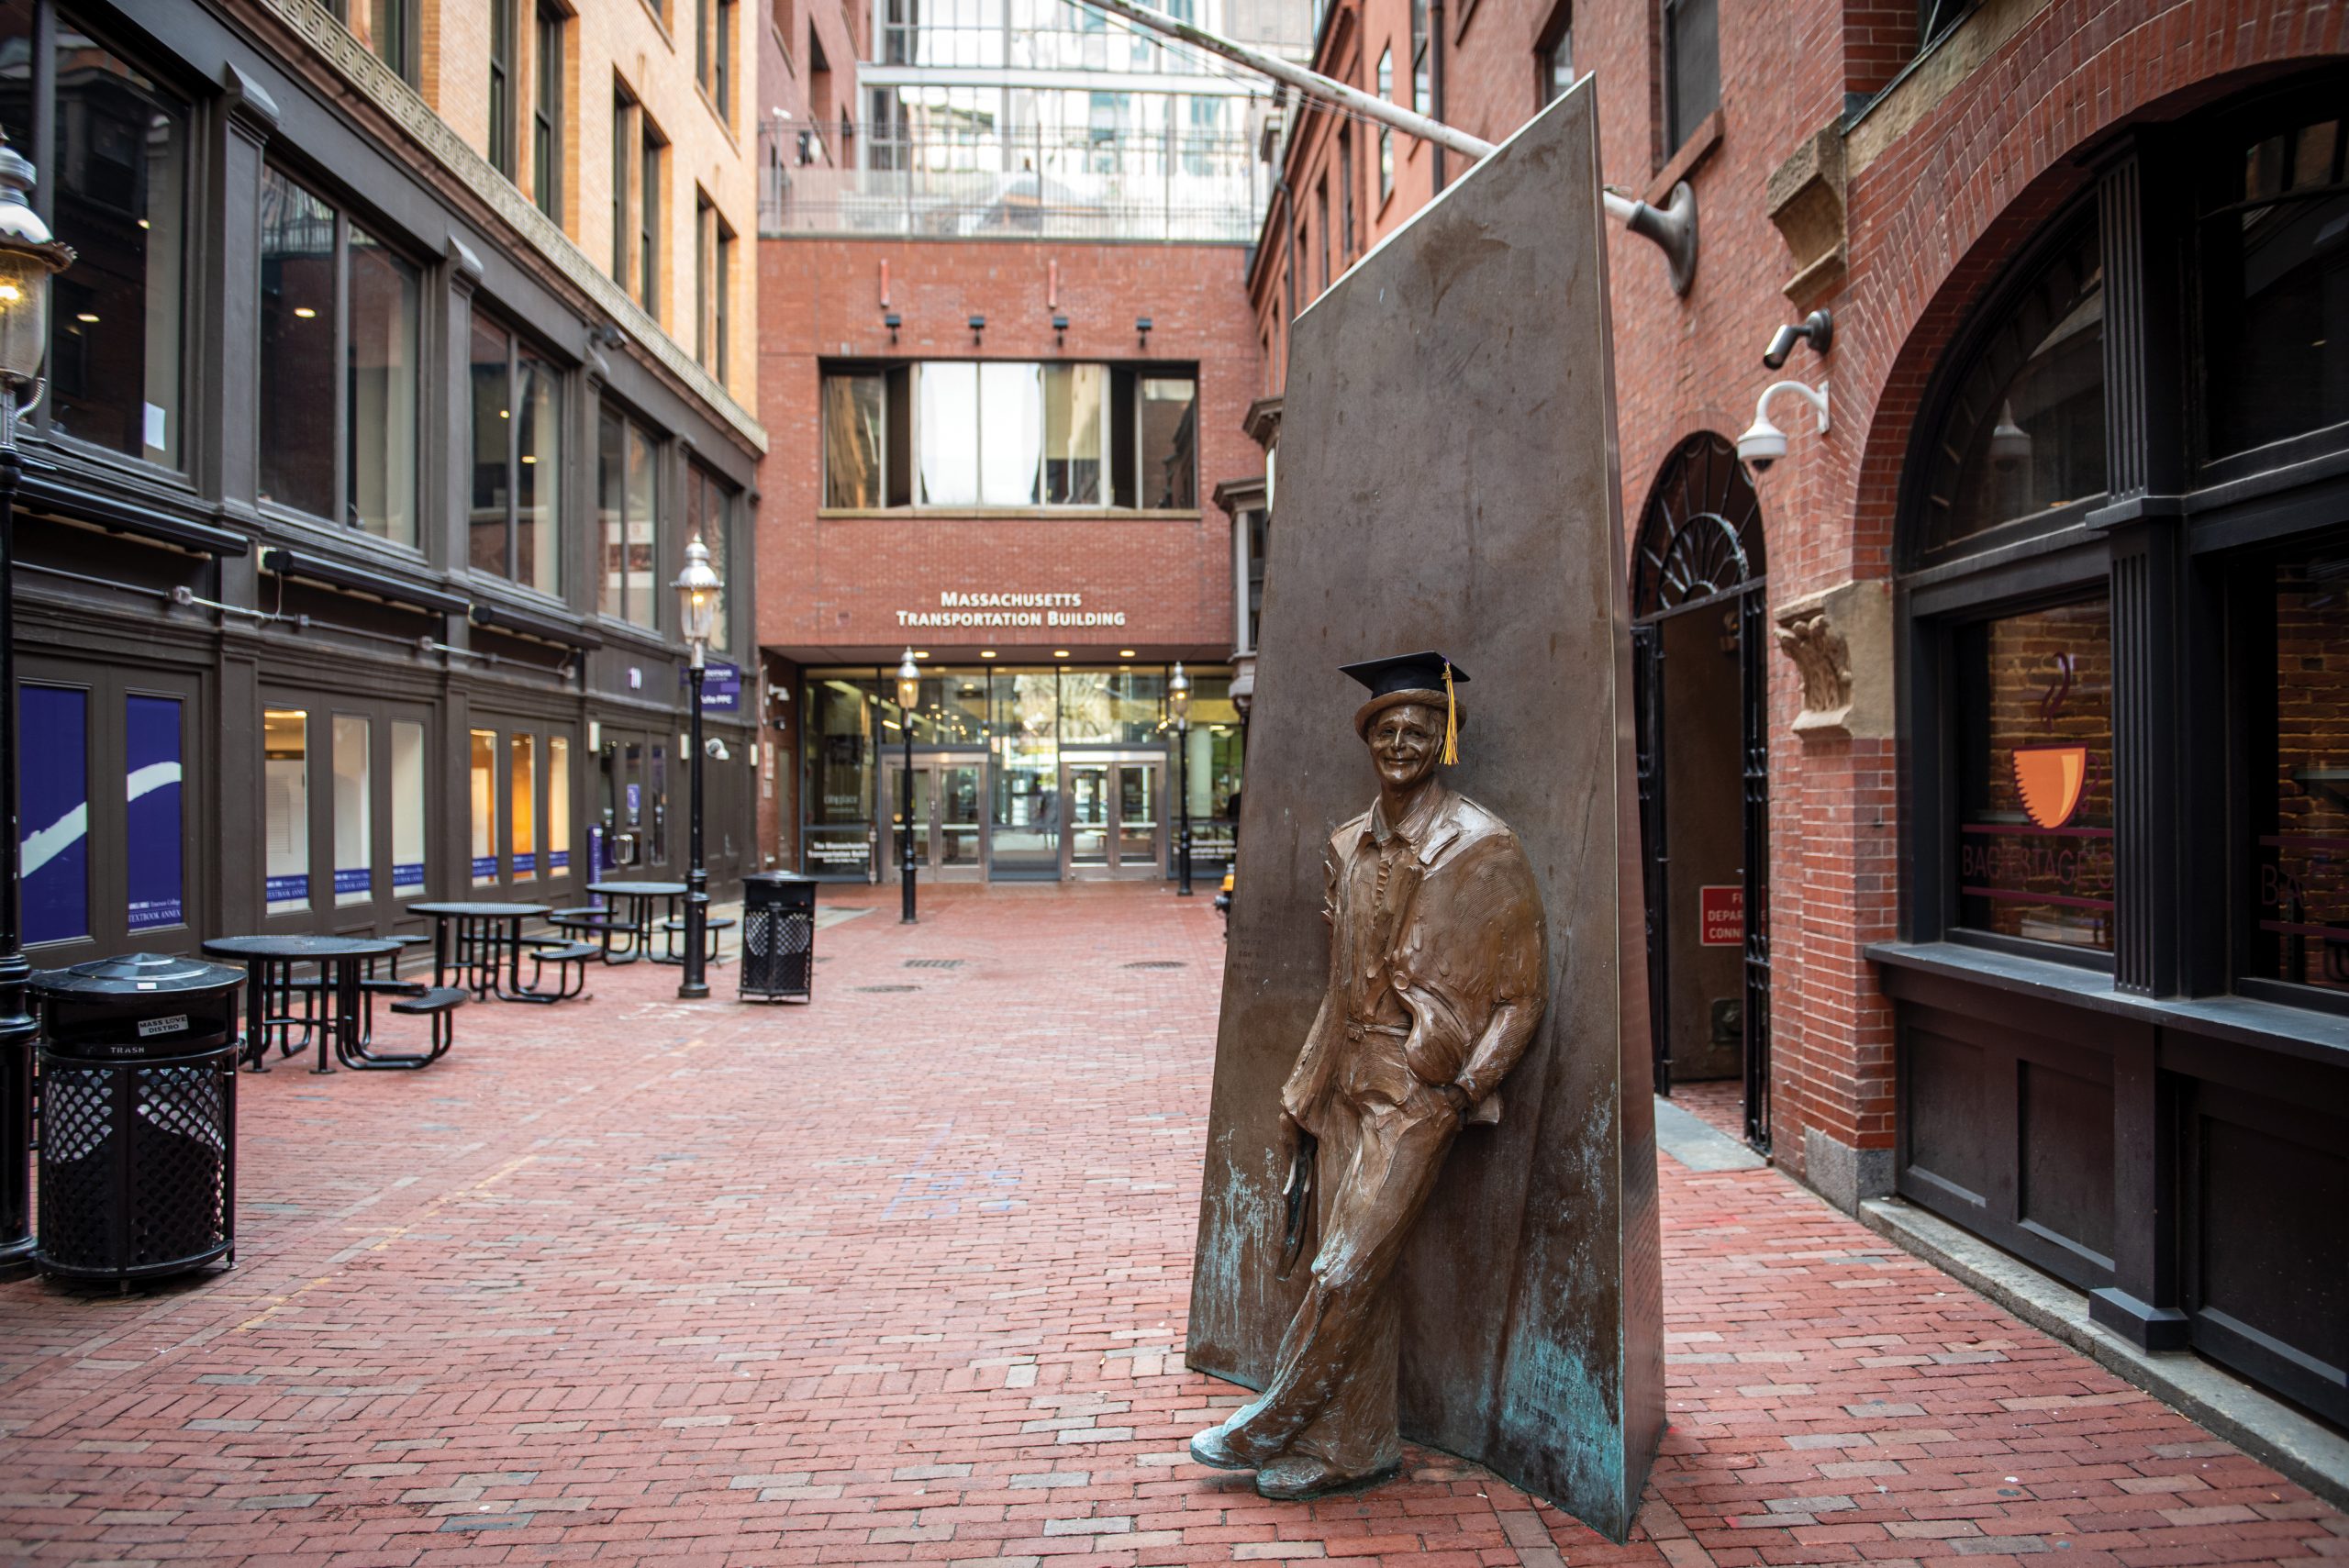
point(138, 1117)
point(778, 937)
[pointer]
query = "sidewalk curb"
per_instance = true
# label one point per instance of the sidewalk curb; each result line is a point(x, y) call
point(2263, 1427)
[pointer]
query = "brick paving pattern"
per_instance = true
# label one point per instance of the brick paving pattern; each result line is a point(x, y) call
point(900, 1278)
point(1719, 1103)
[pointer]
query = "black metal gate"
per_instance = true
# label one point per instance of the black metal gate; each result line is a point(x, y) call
point(1699, 545)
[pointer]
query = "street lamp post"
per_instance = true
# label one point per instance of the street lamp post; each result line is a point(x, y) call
point(908, 693)
point(1179, 700)
point(28, 257)
point(697, 590)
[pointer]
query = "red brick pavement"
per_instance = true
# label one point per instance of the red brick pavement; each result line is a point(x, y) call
point(1719, 1102)
point(900, 1277)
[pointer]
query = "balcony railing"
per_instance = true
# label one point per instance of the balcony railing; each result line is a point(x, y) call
point(1041, 183)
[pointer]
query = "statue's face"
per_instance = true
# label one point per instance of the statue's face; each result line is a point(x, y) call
point(1405, 743)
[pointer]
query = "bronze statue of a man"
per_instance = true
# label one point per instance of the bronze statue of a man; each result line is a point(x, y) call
point(1438, 978)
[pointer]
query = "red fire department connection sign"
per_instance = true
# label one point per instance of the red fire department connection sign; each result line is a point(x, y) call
point(1721, 916)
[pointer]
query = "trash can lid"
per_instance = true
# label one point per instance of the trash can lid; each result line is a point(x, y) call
point(134, 974)
point(775, 878)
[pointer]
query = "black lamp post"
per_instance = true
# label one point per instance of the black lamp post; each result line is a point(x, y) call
point(697, 590)
point(908, 693)
point(1179, 701)
point(28, 259)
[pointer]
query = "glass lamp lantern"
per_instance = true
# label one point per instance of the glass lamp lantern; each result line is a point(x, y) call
point(909, 681)
point(1178, 697)
point(698, 589)
point(28, 257)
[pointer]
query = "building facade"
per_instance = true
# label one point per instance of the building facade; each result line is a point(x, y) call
point(1991, 740)
point(440, 335)
point(1006, 352)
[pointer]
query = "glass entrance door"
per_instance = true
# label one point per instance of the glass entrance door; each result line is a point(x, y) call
point(1116, 819)
point(946, 798)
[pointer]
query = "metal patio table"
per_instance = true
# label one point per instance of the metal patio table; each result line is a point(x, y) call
point(633, 902)
point(340, 1011)
point(477, 940)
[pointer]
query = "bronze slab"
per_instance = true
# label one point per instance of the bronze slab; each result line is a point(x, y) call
point(1447, 478)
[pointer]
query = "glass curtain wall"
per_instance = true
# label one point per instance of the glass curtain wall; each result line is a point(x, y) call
point(1022, 723)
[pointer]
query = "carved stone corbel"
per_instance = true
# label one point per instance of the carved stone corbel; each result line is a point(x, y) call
point(1805, 198)
point(1840, 642)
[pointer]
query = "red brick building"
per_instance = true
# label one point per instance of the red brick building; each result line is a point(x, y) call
point(1979, 700)
point(1006, 331)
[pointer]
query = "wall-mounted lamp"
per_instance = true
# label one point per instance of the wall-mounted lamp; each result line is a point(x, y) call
point(892, 320)
point(1818, 328)
point(1672, 228)
point(1763, 443)
point(1060, 327)
point(1142, 329)
point(978, 325)
point(607, 336)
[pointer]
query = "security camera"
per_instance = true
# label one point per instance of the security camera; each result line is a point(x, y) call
point(1763, 443)
point(716, 749)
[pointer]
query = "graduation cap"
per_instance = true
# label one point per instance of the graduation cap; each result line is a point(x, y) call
point(1412, 677)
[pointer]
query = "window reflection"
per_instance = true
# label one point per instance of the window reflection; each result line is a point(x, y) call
point(2025, 433)
point(380, 367)
point(2275, 291)
point(2300, 780)
point(296, 405)
point(2035, 770)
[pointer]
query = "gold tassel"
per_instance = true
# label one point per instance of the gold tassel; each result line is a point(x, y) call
point(1451, 721)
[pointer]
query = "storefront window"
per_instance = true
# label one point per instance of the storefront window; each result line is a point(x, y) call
point(2024, 434)
point(339, 387)
point(841, 716)
point(854, 430)
point(285, 807)
point(120, 175)
point(2034, 771)
point(522, 780)
point(407, 808)
point(483, 789)
point(153, 825)
point(709, 512)
point(2301, 781)
point(517, 461)
point(952, 711)
point(2276, 286)
point(53, 805)
point(628, 519)
point(354, 816)
point(1112, 708)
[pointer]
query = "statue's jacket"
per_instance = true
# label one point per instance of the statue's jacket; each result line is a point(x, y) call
point(1437, 926)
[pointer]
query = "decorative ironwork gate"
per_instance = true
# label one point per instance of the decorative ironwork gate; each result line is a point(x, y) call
point(1699, 544)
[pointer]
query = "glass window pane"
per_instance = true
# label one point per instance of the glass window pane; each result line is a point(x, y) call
point(354, 819)
point(522, 782)
point(296, 408)
point(1024, 805)
point(2301, 789)
point(482, 771)
point(1075, 399)
point(947, 436)
point(538, 524)
point(153, 827)
point(716, 526)
point(53, 803)
point(1011, 435)
point(661, 804)
point(385, 292)
point(642, 539)
point(558, 806)
point(611, 503)
point(407, 807)
point(1696, 64)
point(840, 716)
point(2276, 294)
point(286, 805)
point(121, 180)
point(853, 408)
point(2026, 428)
point(16, 73)
point(493, 422)
point(2034, 771)
point(1170, 441)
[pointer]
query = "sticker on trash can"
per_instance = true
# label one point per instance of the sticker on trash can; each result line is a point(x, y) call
point(171, 1025)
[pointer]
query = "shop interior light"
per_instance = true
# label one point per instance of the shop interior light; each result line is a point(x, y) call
point(1060, 653)
point(986, 653)
point(1125, 653)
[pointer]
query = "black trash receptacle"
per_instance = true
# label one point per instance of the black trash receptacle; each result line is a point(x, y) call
point(778, 937)
point(138, 1117)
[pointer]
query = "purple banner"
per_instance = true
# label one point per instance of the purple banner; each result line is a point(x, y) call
point(54, 807)
point(151, 820)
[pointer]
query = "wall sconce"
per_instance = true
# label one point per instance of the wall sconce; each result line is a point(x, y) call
point(1060, 329)
point(1818, 328)
point(978, 325)
point(892, 320)
point(1142, 329)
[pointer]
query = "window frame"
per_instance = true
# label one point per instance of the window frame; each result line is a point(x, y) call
point(624, 112)
point(1680, 121)
point(1559, 29)
point(504, 38)
point(620, 416)
point(1422, 75)
point(1385, 133)
point(518, 344)
point(546, 110)
point(429, 373)
point(649, 147)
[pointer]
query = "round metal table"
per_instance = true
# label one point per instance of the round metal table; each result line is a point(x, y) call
point(632, 909)
point(335, 1010)
point(477, 940)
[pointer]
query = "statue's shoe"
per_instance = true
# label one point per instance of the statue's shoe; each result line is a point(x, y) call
point(1295, 1478)
point(1213, 1449)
